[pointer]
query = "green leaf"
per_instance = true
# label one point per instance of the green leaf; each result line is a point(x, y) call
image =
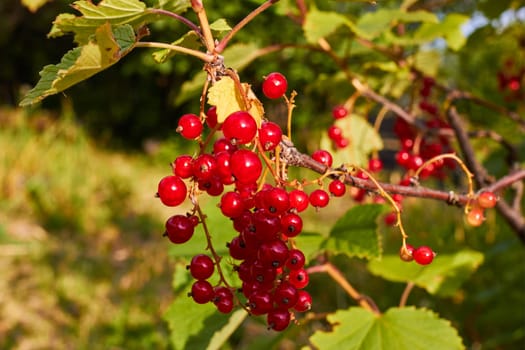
point(194, 326)
point(220, 25)
point(190, 40)
point(175, 6)
point(355, 233)
point(443, 277)
point(115, 12)
point(310, 243)
point(449, 29)
point(372, 24)
point(83, 62)
point(398, 328)
point(427, 62)
point(363, 139)
point(319, 24)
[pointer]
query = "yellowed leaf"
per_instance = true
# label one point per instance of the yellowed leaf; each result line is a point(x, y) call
point(225, 96)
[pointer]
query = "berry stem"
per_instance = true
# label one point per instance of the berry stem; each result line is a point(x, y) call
point(179, 18)
point(216, 257)
point(338, 277)
point(406, 293)
point(290, 103)
point(201, 55)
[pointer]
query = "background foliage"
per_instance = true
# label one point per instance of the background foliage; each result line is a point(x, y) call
point(85, 264)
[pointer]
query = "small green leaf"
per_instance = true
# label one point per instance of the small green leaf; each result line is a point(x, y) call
point(190, 40)
point(115, 12)
point(363, 140)
point(449, 29)
point(398, 328)
point(83, 62)
point(319, 24)
point(427, 62)
point(355, 233)
point(220, 25)
point(310, 243)
point(175, 6)
point(195, 326)
point(372, 24)
point(443, 277)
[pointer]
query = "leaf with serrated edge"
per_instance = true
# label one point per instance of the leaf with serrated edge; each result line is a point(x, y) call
point(398, 328)
point(81, 63)
point(355, 233)
point(443, 277)
point(193, 326)
point(319, 24)
point(225, 96)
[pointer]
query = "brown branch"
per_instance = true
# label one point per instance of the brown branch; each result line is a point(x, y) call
point(513, 217)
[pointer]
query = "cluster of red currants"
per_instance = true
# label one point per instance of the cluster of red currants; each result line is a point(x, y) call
point(511, 79)
point(335, 133)
point(265, 217)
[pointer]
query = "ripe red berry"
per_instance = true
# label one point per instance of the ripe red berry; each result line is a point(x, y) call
point(172, 190)
point(335, 133)
point(204, 166)
point(274, 85)
point(487, 200)
point(296, 259)
point(232, 204)
point(342, 142)
point(240, 127)
point(179, 228)
point(375, 165)
point(291, 224)
point(211, 117)
point(339, 112)
point(189, 126)
point(202, 292)
point(337, 188)
point(298, 200)
point(319, 198)
point(260, 302)
point(323, 156)
point(201, 267)
point(299, 278)
point(273, 253)
point(270, 135)
point(183, 166)
point(285, 295)
point(423, 255)
point(304, 302)
point(246, 166)
point(278, 319)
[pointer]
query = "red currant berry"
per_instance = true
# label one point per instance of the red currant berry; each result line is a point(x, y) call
point(375, 165)
point(423, 255)
point(285, 295)
point(335, 133)
point(337, 188)
point(270, 135)
point(211, 117)
point(246, 166)
point(204, 166)
point(487, 200)
point(189, 126)
point(179, 228)
point(342, 142)
point(296, 259)
point(183, 166)
point(402, 158)
point(260, 302)
point(223, 144)
point(291, 224)
point(239, 127)
point(276, 200)
point(406, 253)
point(273, 254)
point(202, 292)
point(299, 278)
point(391, 218)
point(224, 305)
point(304, 302)
point(415, 162)
point(201, 267)
point(298, 200)
point(172, 191)
point(274, 85)
point(339, 112)
point(319, 198)
point(323, 156)
point(278, 319)
point(232, 204)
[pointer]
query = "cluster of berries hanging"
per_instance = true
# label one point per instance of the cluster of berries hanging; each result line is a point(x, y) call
point(266, 217)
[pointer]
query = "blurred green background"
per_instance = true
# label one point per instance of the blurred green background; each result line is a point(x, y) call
point(83, 261)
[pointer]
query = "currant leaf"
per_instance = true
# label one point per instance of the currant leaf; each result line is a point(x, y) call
point(397, 328)
point(109, 45)
point(355, 233)
point(225, 96)
point(443, 277)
